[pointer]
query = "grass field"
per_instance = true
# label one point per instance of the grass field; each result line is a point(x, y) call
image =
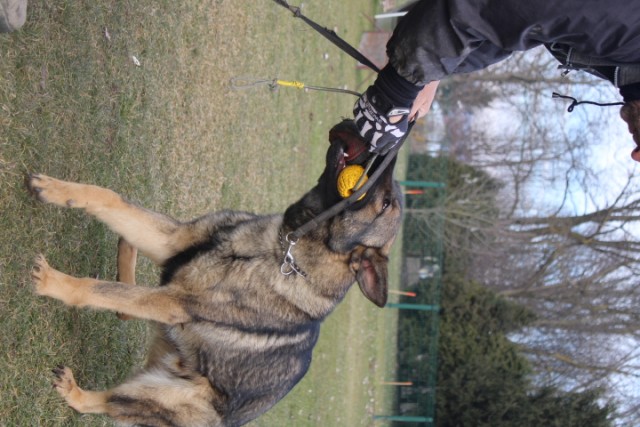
point(172, 134)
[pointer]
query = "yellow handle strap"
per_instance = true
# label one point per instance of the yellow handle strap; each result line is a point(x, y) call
point(297, 85)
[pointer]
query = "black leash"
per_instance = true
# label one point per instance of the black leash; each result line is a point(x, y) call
point(288, 265)
point(330, 35)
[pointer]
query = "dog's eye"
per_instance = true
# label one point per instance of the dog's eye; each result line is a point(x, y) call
point(386, 203)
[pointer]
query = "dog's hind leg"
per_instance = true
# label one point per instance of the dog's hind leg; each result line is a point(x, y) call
point(157, 397)
point(165, 304)
point(126, 262)
point(158, 236)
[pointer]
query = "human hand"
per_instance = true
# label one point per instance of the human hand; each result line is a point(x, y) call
point(422, 104)
point(630, 113)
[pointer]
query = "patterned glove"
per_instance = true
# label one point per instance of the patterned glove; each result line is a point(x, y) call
point(372, 112)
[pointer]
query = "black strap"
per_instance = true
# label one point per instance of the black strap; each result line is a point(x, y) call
point(353, 198)
point(331, 36)
point(575, 102)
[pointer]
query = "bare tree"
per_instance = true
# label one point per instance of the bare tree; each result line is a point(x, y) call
point(566, 240)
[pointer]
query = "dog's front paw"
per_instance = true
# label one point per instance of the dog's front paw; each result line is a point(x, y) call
point(63, 381)
point(50, 190)
point(40, 274)
point(52, 283)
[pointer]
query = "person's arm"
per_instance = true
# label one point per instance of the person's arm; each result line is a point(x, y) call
point(438, 38)
point(416, 51)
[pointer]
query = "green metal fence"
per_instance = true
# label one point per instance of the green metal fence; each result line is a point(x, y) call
point(418, 302)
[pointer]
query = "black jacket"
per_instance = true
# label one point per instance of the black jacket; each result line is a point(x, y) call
point(438, 38)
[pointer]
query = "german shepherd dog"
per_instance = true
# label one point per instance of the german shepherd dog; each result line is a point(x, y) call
point(235, 334)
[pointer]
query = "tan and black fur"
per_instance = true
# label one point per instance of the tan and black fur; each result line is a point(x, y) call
point(234, 333)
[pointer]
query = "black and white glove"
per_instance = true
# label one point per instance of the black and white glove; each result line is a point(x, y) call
point(372, 113)
point(382, 112)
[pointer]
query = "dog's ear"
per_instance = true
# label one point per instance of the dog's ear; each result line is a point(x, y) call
point(370, 267)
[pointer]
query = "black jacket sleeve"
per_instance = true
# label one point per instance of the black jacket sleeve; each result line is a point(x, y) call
point(443, 37)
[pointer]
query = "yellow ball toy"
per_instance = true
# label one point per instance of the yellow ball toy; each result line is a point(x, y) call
point(348, 178)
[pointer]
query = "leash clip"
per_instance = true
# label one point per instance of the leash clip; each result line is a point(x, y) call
point(289, 266)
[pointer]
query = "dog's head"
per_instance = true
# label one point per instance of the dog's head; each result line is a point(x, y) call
point(367, 228)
